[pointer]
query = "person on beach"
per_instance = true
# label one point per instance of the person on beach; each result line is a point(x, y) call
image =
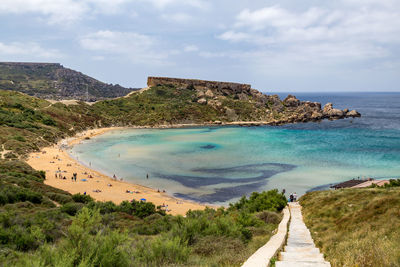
point(115, 177)
point(147, 176)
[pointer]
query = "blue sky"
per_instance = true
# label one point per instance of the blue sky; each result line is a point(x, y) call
point(308, 45)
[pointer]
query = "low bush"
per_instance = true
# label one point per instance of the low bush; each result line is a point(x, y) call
point(81, 198)
point(71, 208)
point(162, 251)
point(268, 200)
point(269, 217)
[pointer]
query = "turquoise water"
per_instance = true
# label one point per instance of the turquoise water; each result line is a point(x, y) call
point(218, 165)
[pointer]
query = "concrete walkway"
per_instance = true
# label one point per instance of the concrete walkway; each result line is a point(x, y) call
point(262, 257)
point(300, 250)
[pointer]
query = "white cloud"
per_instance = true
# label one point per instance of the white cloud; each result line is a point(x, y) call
point(344, 34)
point(137, 47)
point(190, 48)
point(61, 11)
point(177, 17)
point(165, 3)
point(56, 11)
point(277, 17)
point(30, 50)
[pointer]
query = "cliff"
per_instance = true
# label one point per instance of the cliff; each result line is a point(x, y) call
point(226, 88)
point(53, 81)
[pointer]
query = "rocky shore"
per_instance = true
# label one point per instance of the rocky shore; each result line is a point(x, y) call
point(267, 109)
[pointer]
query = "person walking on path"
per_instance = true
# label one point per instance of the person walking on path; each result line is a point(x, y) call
point(294, 197)
point(291, 197)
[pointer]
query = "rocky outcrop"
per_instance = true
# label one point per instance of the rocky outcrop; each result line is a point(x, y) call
point(53, 81)
point(329, 111)
point(353, 113)
point(291, 101)
point(235, 99)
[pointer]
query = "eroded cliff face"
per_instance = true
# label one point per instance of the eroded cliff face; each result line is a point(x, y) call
point(264, 108)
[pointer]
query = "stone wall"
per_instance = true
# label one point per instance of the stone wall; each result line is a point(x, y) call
point(219, 86)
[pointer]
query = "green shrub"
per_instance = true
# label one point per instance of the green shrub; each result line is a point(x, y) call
point(59, 198)
point(71, 208)
point(103, 207)
point(87, 244)
point(269, 217)
point(139, 208)
point(268, 200)
point(162, 251)
point(81, 198)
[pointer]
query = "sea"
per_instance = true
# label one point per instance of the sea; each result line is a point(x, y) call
point(218, 165)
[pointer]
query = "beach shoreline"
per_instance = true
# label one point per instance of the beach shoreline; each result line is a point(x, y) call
point(55, 161)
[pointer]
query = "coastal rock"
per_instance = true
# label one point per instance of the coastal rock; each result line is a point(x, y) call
point(200, 94)
point(316, 115)
point(214, 103)
point(202, 101)
point(291, 101)
point(331, 112)
point(353, 114)
point(327, 108)
point(209, 94)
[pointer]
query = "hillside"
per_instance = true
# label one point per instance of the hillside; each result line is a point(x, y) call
point(44, 226)
point(355, 227)
point(53, 81)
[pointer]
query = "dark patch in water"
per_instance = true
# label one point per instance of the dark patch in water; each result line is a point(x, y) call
point(261, 172)
point(223, 194)
point(208, 146)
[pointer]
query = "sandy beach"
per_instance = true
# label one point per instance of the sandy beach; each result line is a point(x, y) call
point(56, 161)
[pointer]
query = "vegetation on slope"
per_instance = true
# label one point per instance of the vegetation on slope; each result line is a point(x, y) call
point(44, 226)
point(355, 227)
point(28, 123)
point(166, 104)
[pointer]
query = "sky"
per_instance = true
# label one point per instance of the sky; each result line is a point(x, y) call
point(276, 46)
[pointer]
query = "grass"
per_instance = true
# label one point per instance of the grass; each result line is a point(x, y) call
point(355, 227)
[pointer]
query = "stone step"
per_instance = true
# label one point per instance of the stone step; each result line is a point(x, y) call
point(300, 244)
point(301, 264)
point(297, 239)
point(302, 249)
point(299, 256)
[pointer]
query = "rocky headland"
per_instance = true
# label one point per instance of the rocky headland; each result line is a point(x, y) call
point(268, 109)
